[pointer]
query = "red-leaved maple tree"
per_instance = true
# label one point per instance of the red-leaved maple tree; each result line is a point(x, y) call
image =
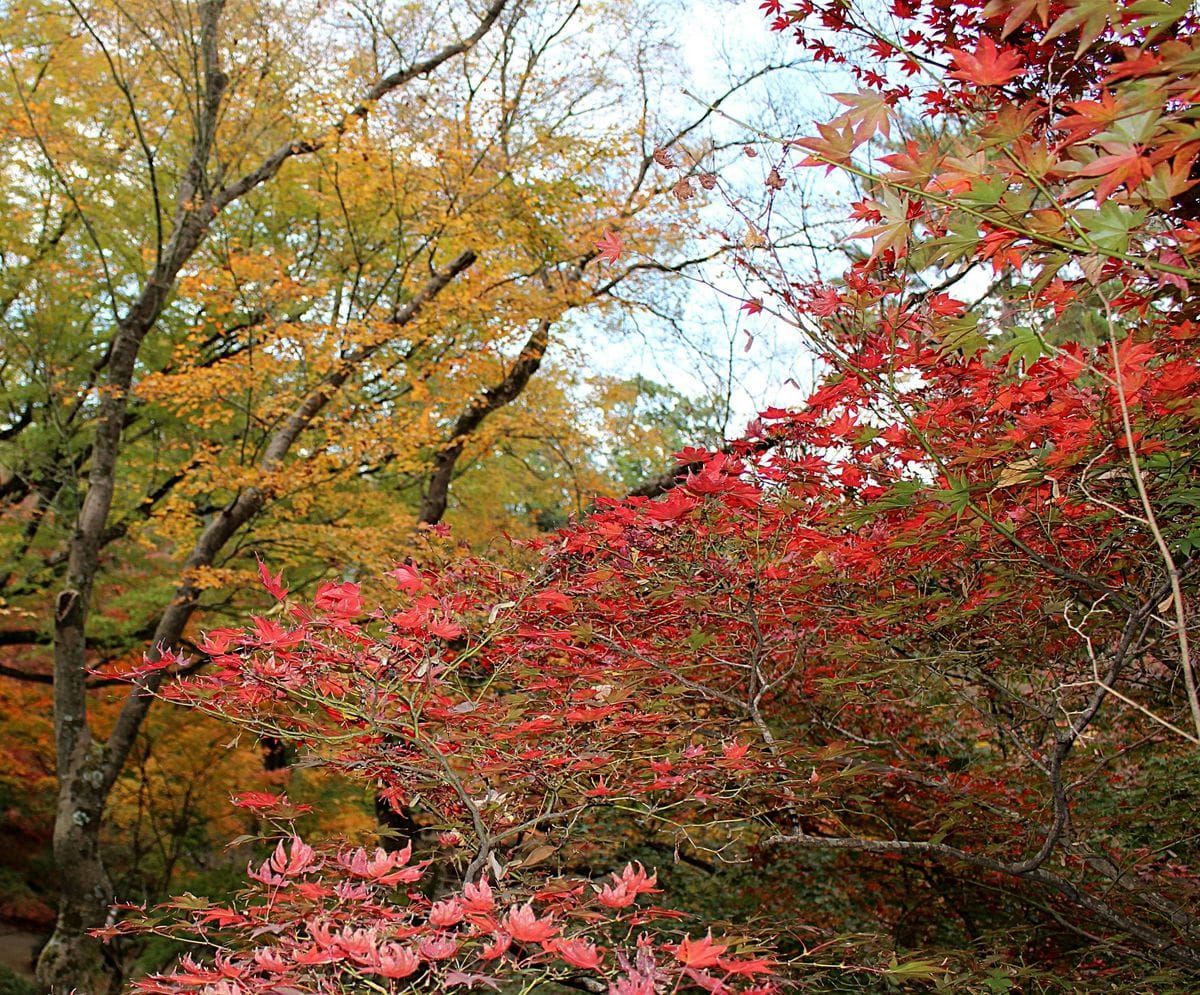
point(928, 635)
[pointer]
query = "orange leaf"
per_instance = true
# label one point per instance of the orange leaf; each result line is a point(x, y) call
point(988, 66)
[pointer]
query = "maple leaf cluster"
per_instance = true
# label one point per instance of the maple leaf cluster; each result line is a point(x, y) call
point(934, 623)
point(334, 917)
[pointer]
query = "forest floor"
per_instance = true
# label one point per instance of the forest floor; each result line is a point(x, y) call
point(17, 947)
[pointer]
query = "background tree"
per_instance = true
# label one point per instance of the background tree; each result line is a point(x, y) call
point(265, 282)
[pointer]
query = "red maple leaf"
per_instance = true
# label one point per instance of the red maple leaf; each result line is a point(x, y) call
point(1121, 164)
point(273, 583)
point(988, 66)
point(699, 953)
point(407, 578)
point(611, 245)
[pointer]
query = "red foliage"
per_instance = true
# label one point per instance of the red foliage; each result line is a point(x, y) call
point(936, 615)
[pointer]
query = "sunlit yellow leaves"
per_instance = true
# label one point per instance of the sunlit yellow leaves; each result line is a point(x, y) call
point(301, 282)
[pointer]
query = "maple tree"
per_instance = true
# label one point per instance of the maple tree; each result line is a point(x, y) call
point(929, 633)
point(273, 280)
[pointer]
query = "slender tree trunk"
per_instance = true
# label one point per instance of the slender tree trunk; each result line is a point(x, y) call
point(71, 960)
point(87, 770)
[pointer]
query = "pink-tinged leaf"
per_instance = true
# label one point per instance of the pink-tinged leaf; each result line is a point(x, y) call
point(445, 629)
point(446, 913)
point(469, 979)
point(578, 953)
point(478, 898)
point(1172, 258)
point(750, 966)
point(407, 578)
point(987, 65)
point(554, 602)
point(634, 879)
point(611, 245)
point(435, 948)
point(394, 961)
point(274, 584)
point(825, 302)
point(523, 925)
point(497, 948)
point(1122, 164)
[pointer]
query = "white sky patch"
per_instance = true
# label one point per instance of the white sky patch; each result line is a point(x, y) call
point(749, 362)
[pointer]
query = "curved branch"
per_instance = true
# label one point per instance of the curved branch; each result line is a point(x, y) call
point(489, 400)
point(1166, 946)
point(239, 511)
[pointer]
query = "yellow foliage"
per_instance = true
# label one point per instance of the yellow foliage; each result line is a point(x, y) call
point(297, 310)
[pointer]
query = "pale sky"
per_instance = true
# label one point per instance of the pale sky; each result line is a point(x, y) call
point(718, 40)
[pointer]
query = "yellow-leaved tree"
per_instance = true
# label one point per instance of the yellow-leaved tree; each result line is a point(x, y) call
point(274, 276)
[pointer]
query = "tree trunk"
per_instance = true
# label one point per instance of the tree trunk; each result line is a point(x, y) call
point(72, 960)
point(87, 770)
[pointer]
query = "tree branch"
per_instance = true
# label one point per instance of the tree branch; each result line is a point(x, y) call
point(1166, 946)
point(489, 400)
point(306, 146)
point(239, 511)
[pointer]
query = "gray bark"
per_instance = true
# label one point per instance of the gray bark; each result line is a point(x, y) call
point(87, 769)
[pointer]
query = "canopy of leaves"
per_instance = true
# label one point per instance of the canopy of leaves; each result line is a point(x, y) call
point(929, 636)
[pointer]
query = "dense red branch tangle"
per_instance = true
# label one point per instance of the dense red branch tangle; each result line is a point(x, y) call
point(940, 623)
point(833, 642)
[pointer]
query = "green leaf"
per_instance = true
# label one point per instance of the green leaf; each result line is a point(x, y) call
point(916, 968)
point(960, 242)
point(986, 193)
point(1110, 225)
point(1025, 347)
point(962, 335)
point(899, 495)
point(1157, 15)
point(1090, 16)
point(957, 497)
point(1052, 265)
point(998, 983)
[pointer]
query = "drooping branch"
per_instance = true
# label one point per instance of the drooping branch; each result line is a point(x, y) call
point(28, 676)
point(1166, 946)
